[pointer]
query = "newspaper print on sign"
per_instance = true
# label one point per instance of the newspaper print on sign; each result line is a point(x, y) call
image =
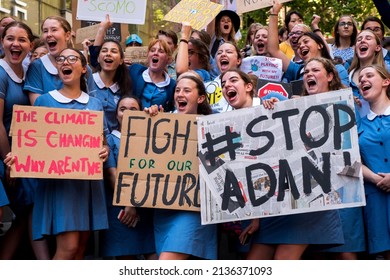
point(303, 156)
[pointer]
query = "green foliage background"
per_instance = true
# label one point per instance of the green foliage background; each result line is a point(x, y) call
point(328, 10)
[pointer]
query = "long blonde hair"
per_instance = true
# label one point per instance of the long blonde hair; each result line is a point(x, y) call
point(378, 57)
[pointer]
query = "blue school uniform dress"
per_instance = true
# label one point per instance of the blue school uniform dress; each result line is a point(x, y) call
point(108, 97)
point(204, 74)
point(374, 143)
point(11, 91)
point(119, 239)
point(3, 195)
point(150, 93)
point(181, 232)
point(42, 76)
point(316, 228)
point(63, 205)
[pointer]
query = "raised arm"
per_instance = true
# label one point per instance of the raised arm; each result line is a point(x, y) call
point(316, 29)
point(182, 53)
point(103, 27)
point(273, 36)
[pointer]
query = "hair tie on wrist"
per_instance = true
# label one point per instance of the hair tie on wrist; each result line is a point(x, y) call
point(183, 40)
point(273, 15)
point(317, 29)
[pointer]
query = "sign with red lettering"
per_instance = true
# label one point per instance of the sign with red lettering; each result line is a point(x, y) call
point(272, 87)
point(157, 162)
point(56, 143)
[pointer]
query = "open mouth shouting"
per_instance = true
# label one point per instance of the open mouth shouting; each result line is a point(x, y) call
point(51, 44)
point(303, 52)
point(15, 54)
point(311, 84)
point(260, 48)
point(224, 62)
point(365, 87)
point(363, 48)
point(66, 71)
point(231, 95)
point(181, 105)
point(155, 60)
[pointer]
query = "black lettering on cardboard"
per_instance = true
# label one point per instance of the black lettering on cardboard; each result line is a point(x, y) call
point(189, 182)
point(231, 188)
point(155, 149)
point(322, 177)
point(185, 136)
point(338, 128)
point(286, 181)
point(251, 190)
point(167, 187)
point(268, 134)
point(306, 137)
point(128, 134)
point(230, 146)
point(284, 115)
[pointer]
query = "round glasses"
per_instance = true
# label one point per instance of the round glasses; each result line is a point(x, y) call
point(71, 59)
point(348, 24)
point(296, 33)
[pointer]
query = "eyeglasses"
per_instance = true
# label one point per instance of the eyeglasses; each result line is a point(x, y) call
point(348, 24)
point(71, 59)
point(375, 29)
point(297, 33)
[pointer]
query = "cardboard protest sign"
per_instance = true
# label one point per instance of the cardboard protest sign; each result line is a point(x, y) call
point(56, 143)
point(267, 68)
point(120, 11)
point(244, 6)
point(88, 32)
point(198, 13)
point(137, 54)
point(303, 156)
point(157, 162)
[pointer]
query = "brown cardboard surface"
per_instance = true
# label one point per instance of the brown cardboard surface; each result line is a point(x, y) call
point(137, 54)
point(88, 32)
point(198, 13)
point(156, 166)
point(56, 143)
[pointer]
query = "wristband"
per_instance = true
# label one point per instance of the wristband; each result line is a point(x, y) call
point(184, 41)
point(273, 15)
point(317, 29)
